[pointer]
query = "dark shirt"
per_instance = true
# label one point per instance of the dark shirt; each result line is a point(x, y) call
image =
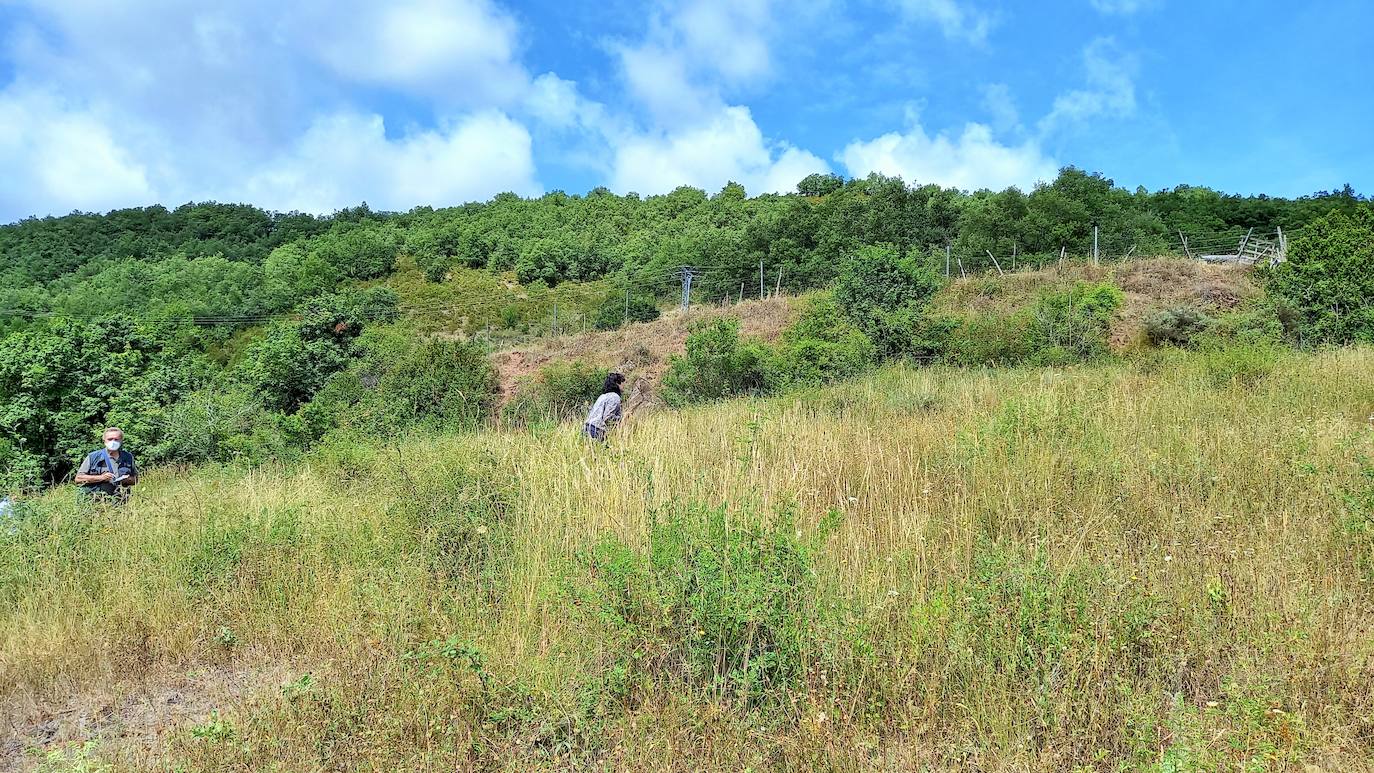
point(97, 463)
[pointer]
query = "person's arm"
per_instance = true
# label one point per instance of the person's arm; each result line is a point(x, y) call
point(84, 476)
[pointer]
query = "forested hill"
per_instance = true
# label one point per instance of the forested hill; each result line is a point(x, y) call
point(84, 264)
point(221, 331)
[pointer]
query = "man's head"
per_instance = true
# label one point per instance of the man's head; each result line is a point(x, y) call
point(114, 438)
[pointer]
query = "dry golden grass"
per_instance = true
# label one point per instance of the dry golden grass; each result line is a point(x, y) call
point(1116, 567)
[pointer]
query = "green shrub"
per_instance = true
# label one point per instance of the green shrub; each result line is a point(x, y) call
point(822, 345)
point(723, 601)
point(399, 381)
point(886, 293)
point(225, 423)
point(558, 392)
point(717, 365)
point(1179, 326)
point(615, 312)
point(991, 339)
point(1328, 278)
point(1073, 324)
point(1263, 322)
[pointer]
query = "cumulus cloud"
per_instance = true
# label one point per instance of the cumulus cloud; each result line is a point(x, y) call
point(973, 159)
point(457, 51)
point(692, 51)
point(1110, 92)
point(171, 101)
point(729, 147)
point(690, 56)
point(346, 154)
point(57, 159)
point(954, 18)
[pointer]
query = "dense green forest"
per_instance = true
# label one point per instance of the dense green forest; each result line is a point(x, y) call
point(214, 332)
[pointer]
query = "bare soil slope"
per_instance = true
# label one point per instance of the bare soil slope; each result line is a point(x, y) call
point(639, 350)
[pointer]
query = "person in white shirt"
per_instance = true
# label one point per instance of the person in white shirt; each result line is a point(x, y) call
point(606, 410)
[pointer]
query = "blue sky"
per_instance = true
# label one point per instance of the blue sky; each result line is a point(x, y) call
point(316, 105)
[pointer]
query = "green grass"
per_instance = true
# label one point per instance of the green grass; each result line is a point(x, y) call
point(1157, 566)
point(474, 300)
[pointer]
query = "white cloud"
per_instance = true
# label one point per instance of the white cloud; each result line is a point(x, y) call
point(972, 160)
point(729, 37)
point(346, 158)
point(679, 72)
point(692, 52)
point(57, 159)
point(729, 147)
point(1123, 7)
point(660, 79)
point(1111, 91)
point(997, 100)
point(173, 101)
point(457, 51)
point(955, 19)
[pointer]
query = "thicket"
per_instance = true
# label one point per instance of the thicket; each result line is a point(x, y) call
point(207, 330)
point(558, 392)
point(1328, 279)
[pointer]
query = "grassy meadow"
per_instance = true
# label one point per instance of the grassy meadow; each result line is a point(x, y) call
point(1162, 564)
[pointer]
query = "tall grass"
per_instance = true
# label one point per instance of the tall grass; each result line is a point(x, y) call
point(1109, 567)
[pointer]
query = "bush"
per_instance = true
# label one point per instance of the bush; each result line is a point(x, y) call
point(221, 424)
point(1072, 325)
point(717, 365)
point(823, 345)
point(723, 601)
point(1328, 279)
point(885, 293)
point(992, 339)
point(614, 312)
point(559, 392)
point(1179, 326)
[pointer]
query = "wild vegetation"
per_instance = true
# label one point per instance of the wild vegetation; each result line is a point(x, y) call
point(1165, 563)
point(207, 331)
point(1076, 515)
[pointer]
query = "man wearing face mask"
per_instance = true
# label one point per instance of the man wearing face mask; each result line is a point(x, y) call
point(109, 471)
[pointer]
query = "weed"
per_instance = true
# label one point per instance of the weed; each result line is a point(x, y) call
point(214, 730)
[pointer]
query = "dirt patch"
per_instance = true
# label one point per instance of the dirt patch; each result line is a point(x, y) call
point(1162, 283)
point(639, 350)
point(137, 717)
point(1149, 284)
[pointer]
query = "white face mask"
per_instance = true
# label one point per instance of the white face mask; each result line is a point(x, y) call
point(113, 445)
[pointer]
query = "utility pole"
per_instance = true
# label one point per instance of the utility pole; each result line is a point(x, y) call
point(1184, 239)
point(1095, 259)
point(777, 290)
point(760, 280)
point(946, 260)
point(687, 273)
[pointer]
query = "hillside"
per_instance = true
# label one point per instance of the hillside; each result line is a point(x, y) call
point(642, 350)
point(1162, 564)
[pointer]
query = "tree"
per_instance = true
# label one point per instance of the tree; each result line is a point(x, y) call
point(1328, 278)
